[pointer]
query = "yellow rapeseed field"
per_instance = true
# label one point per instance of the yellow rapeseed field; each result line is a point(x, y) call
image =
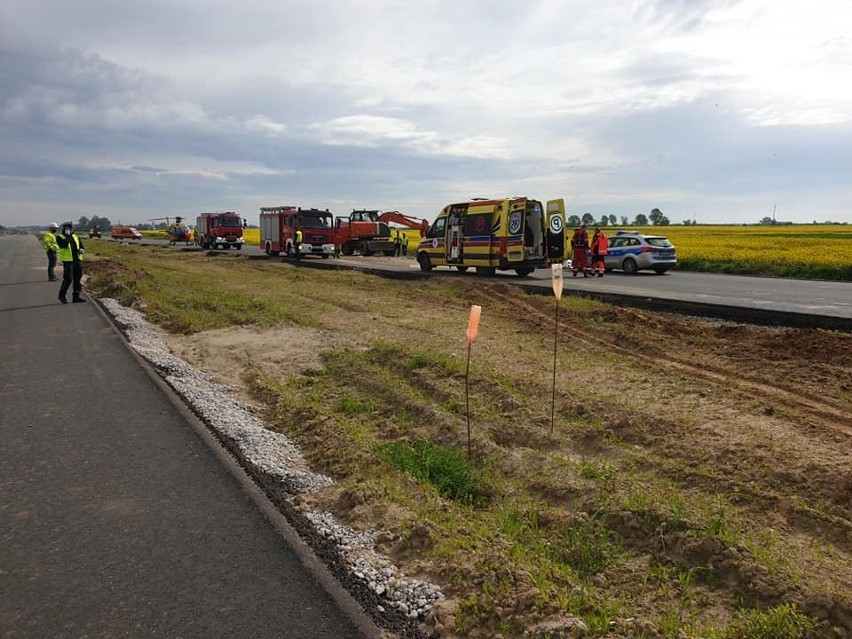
point(252, 236)
point(793, 250)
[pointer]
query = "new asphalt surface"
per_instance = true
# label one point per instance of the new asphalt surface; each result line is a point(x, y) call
point(117, 519)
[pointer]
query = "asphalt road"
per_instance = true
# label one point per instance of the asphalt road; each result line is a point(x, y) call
point(764, 300)
point(116, 518)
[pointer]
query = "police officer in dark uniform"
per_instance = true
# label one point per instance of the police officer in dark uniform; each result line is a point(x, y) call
point(71, 255)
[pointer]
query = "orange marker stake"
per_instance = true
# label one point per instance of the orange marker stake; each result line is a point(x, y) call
point(558, 282)
point(472, 331)
point(473, 323)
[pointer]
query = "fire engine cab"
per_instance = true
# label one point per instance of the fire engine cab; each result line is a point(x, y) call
point(213, 230)
point(278, 226)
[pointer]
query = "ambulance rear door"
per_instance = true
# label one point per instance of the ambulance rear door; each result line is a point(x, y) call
point(556, 230)
point(455, 233)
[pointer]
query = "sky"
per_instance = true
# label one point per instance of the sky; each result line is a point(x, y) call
point(718, 111)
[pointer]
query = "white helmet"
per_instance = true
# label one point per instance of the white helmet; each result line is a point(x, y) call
point(53, 225)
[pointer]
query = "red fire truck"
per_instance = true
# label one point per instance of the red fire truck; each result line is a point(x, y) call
point(214, 230)
point(278, 226)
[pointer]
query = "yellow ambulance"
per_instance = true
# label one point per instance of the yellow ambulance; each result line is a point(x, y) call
point(509, 234)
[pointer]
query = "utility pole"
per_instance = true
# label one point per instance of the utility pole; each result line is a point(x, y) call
point(773, 214)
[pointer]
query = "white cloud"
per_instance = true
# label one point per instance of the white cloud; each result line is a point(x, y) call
point(609, 105)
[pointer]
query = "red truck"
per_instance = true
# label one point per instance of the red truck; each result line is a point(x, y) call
point(278, 226)
point(364, 232)
point(214, 230)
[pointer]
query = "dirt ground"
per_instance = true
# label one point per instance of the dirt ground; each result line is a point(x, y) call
point(760, 417)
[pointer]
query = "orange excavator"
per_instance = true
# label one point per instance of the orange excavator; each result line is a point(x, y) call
point(395, 217)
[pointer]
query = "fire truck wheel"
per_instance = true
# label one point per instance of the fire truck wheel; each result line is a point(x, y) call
point(425, 262)
point(462, 269)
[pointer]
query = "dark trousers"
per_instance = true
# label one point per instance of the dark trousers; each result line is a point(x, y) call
point(71, 272)
point(51, 265)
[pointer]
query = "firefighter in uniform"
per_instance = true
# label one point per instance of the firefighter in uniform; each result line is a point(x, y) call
point(71, 255)
point(579, 248)
point(599, 246)
point(52, 248)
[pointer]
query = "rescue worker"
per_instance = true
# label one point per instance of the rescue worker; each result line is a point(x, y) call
point(579, 247)
point(297, 244)
point(599, 246)
point(404, 244)
point(52, 248)
point(397, 245)
point(71, 254)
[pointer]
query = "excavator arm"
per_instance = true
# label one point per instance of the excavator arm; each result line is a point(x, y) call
point(405, 220)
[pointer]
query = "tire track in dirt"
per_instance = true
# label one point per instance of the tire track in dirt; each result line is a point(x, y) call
point(822, 412)
point(838, 528)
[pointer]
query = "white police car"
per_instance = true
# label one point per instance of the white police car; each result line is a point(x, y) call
point(630, 251)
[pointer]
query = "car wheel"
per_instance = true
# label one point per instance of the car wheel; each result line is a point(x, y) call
point(425, 262)
point(629, 266)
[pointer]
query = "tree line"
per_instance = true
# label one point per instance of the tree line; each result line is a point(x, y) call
point(655, 217)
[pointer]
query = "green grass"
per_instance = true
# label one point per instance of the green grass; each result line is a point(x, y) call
point(587, 546)
point(352, 405)
point(780, 622)
point(745, 267)
point(446, 469)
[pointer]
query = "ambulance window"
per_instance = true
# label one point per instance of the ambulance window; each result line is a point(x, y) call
point(437, 229)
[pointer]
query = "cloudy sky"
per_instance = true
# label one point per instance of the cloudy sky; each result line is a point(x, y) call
point(717, 110)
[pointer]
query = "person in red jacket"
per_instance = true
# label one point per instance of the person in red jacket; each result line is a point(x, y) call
point(579, 247)
point(599, 246)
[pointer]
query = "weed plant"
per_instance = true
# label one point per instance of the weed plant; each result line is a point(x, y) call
point(444, 468)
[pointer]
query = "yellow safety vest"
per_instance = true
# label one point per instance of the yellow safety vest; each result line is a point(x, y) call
point(298, 237)
point(49, 241)
point(65, 254)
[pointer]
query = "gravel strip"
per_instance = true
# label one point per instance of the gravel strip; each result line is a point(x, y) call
point(393, 600)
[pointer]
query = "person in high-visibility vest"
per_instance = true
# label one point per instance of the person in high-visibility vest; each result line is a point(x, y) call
point(71, 255)
point(52, 248)
point(298, 244)
point(599, 246)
